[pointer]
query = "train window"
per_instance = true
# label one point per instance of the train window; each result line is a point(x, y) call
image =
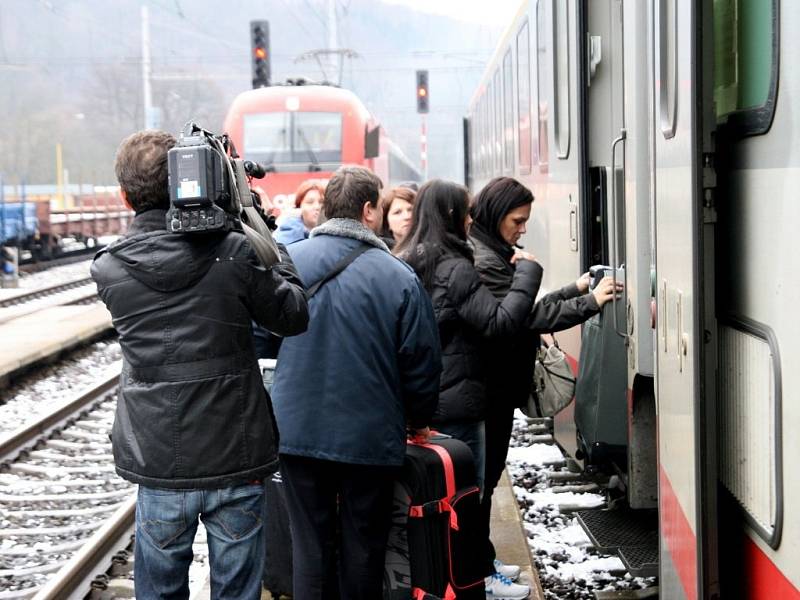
point(667, 32)
point(293, 137)
point(524, 99)
point(267, 136)
point(498, 122)
point(561, 103)
point(542, 76)
point(484, 133)
point(489, 128)
point(746, 63)
point(508, 109)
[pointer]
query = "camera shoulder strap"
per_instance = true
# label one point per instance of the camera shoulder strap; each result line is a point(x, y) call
point(338, 268)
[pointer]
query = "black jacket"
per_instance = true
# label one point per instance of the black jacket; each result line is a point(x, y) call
point(191, 410)
point(510, 358)
point(467, 313)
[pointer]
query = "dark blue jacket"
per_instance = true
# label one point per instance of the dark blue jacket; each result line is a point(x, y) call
point(370, 361)
point(291, 230)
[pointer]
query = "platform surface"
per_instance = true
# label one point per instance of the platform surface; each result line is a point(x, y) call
point(47, 333)
point(507, 535)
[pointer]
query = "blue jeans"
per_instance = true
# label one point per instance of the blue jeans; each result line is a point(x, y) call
point(474, 436)
point(166, 523)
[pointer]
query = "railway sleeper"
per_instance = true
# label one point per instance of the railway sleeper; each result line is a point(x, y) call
point(35, 570)
point(91, 496)
point(66, 458)
point(50, 531)
point(34, 551)
point(84, 435)
point(75, 446)
point(97, 425)
point(56, 470)
point(65, 512)
point(32, 484)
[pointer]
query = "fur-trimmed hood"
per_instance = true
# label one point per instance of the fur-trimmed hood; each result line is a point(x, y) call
point(350, 228)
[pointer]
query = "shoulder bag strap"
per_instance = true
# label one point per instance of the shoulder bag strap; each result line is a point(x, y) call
point(338, 268)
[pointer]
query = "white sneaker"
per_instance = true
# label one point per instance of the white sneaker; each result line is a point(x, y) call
point(499, 587)
point(510, 571)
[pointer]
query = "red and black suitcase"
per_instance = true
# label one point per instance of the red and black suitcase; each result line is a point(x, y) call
point(434, 547)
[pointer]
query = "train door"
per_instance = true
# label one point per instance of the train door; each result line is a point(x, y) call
point(682, 77)
point(595, 431)
point(556, 61)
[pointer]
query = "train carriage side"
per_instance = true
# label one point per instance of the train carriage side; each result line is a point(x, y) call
point(691, 202)
point(515, 128)
point(756, 92)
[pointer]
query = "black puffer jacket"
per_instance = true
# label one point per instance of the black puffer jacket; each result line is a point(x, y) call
point(192, 411)
point(467, 312)
point(510, 358)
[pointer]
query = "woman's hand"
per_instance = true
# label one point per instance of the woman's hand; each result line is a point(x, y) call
point(583, 282)
point(420, 435)
point(605, 290)
point(522, 255)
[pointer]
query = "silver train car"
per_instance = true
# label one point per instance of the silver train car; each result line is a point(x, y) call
point(656, 137)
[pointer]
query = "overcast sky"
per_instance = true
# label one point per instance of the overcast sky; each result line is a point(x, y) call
point(496, 12)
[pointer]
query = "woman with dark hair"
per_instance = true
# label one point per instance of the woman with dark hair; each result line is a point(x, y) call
point(467, 314)
point(500, 212)
point(398, 210)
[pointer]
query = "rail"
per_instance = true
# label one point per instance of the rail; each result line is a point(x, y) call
point(75, 577)
point(45, 291)
point(26, 436)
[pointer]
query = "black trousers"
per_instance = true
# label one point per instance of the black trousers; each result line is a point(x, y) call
point(340, 516)
point(499, 423)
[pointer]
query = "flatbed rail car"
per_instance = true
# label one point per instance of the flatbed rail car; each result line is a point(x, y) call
point(302, 131)
point(51, 219)
point(658, 136)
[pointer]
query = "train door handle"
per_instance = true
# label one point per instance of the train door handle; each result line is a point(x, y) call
point(573, 225)
point(623, 134)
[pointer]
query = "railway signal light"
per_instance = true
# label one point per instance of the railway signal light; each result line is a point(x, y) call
point(259, 42)
point(422, 91)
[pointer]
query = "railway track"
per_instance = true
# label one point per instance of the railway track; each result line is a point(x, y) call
point(45, 292)
point(76, 291)
point(74, 257)
point(58, 489)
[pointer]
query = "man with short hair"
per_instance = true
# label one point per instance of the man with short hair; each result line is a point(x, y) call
point(345, 391)
point(193, 425)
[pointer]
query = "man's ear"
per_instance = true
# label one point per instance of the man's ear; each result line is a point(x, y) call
point(368, 214)
point(125, 198)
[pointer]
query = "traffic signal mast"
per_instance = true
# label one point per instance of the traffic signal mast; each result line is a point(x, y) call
point(259, 43)
point(422, 108)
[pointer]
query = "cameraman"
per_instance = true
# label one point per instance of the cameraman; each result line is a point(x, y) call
point(193, 425)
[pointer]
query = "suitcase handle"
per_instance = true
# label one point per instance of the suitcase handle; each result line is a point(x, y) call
point(447, 461)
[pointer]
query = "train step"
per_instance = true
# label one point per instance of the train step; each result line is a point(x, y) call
point(632, 534)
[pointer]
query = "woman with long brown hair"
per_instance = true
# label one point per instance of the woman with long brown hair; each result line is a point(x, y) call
point(398, 210)
point(468, 315)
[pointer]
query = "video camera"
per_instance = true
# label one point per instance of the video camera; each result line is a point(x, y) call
point(209, 191)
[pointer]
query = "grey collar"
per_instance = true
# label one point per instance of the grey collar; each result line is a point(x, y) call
point(350, 228)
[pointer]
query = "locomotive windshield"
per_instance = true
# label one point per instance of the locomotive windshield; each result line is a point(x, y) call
point(293, 137)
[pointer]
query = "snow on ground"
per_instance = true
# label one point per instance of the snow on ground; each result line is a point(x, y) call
point(569, 566)
point(55, 275)
point(39, 391)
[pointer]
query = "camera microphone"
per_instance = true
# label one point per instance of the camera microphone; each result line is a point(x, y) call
point(256, 170)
